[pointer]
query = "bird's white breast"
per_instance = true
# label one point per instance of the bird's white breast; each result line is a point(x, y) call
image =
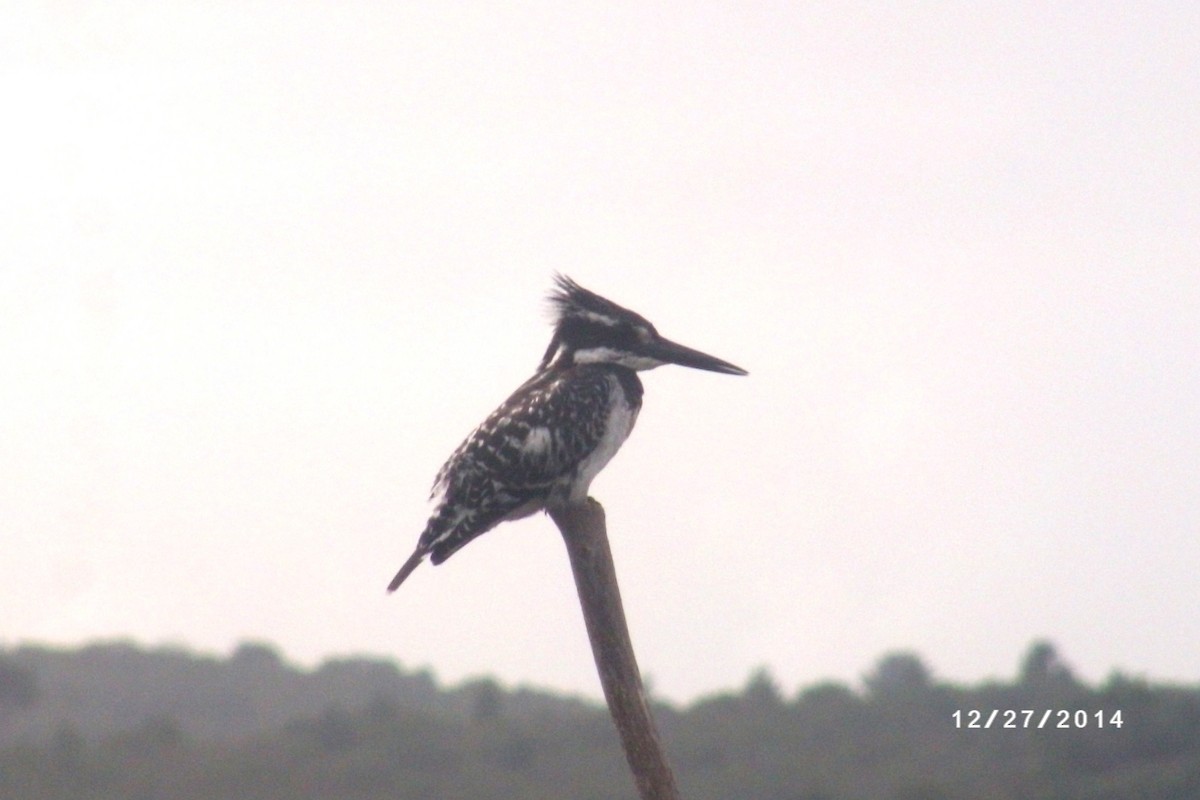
point(621, 417)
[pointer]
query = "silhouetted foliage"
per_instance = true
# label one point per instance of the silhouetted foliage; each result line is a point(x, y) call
point(114, 721)
point(18, 686)
point(1042, 666)
point(898, 674)
point(487, 699)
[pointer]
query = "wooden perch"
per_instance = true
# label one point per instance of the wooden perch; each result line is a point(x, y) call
point(583, 529)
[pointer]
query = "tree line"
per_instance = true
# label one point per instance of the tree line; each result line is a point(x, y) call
point(118, 721)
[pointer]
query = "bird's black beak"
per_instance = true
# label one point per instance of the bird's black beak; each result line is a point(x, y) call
point(669, 352)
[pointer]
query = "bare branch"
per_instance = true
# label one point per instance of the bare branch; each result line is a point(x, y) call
point(583, 529)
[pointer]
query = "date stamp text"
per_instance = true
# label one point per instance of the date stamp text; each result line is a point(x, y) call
point(1028, 718)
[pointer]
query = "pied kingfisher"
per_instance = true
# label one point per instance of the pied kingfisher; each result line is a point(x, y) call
point(544, 444)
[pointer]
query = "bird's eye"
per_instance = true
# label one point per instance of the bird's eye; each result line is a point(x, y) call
point(643, 334)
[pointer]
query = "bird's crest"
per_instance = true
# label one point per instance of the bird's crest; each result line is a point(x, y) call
point(569, 300)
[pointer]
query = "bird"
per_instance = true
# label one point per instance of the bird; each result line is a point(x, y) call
point(543, 446)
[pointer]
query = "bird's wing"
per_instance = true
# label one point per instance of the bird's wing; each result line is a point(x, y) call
point(535, 438)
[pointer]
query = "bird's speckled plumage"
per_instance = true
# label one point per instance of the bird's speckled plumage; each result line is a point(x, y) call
point(527, 453)
point(544, 444)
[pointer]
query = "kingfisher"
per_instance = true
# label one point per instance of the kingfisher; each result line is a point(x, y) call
point(543, 446)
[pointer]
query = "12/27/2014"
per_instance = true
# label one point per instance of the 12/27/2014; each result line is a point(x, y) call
point(1025, 718)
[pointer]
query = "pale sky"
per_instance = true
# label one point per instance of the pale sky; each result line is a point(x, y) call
point(263, 266)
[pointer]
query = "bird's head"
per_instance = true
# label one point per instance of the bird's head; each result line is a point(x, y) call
point(589, 329)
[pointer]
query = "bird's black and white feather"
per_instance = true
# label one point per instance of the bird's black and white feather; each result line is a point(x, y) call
point(543, 446)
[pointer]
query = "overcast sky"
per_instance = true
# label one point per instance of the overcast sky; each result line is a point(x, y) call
point(263, 266)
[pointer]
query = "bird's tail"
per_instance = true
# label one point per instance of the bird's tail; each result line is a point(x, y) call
point(413, 561)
